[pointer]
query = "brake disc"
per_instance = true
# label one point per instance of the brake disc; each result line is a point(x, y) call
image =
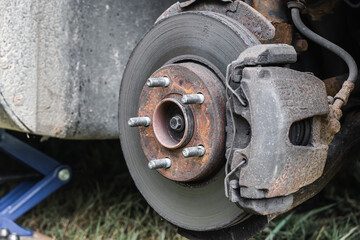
point(192, 50)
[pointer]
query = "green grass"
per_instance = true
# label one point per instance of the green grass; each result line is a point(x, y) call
point(101, 202)
point(333, 214)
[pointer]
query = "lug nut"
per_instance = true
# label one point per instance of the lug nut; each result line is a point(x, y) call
point(13, 236)
point(158, 82)
point(198, 151)
point(139, 122)
point(4, 233)
point(177, 123)
point(193, 99)
point(160, 163)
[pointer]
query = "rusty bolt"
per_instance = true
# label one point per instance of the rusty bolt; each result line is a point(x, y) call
point(198, 151)
point(139, 121)
point(301, 45)
point(158, 82)
point(160, 163)
point(193, 99)
point(177, 123)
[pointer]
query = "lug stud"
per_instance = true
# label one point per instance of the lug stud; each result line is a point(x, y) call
point(139, 122)
point(192, 99)
point(160, 163)
point(198, 151)
point(158, 82)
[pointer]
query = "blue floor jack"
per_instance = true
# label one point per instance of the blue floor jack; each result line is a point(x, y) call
point(30, 192)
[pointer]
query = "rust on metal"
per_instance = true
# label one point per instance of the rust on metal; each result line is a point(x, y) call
point(331, 124)
point(208, 118)
point(334, 84)
point(280, 167)
point(342, 150)
point(345, 91)
point(161, 123)
point(283, 33)
point(237, 10)
point(275, 11)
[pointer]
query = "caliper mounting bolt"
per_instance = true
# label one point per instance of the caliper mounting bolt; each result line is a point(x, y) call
point(160, 163)
point(198, 151)
point(158, 82)
point(192, 99)
point(139, 122)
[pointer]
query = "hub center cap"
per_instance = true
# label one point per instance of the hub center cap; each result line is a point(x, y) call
point(186, 106)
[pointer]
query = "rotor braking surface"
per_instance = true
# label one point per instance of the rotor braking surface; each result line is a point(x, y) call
point(275, 122)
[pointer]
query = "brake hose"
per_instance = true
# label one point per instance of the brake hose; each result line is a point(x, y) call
point(348, 85)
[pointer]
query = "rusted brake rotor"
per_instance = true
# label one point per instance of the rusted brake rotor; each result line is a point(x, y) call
point(199, 124)
point(189, 52)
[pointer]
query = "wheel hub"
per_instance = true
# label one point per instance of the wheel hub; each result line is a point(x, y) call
point(177, 125)
point(173, 123)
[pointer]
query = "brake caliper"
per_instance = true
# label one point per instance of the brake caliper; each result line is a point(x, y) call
point(276, 124)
